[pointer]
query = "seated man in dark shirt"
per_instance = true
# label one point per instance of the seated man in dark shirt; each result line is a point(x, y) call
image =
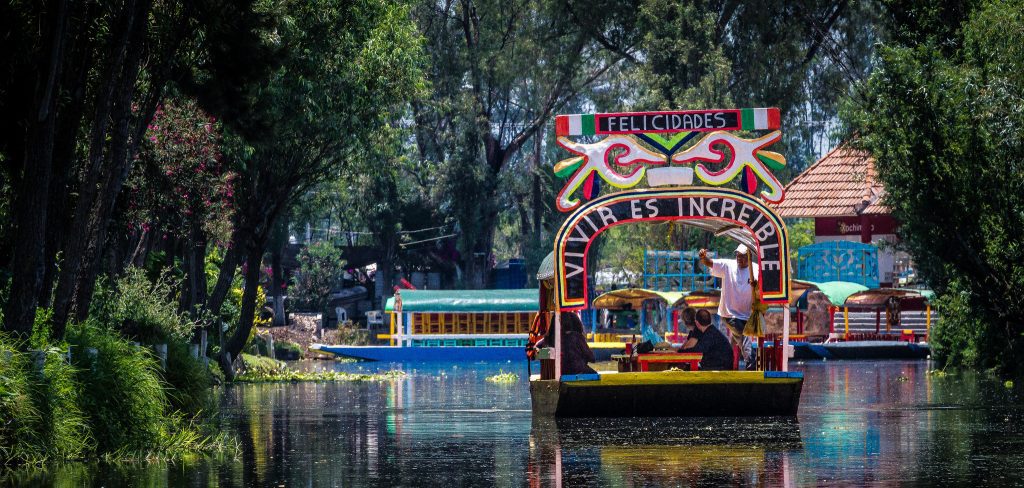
point(707, 340)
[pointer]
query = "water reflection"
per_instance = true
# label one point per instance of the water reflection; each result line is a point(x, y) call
point(444, 425)
point(661, 452)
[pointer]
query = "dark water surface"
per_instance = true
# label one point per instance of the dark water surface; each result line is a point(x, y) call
point(878, 423)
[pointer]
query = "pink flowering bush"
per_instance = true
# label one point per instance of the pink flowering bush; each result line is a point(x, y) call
point(180, 183)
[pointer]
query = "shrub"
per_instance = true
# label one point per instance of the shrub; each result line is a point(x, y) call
point(353, 336)
point(143, 310)
point(320, 271)
point(287, 350)
point(40, 413)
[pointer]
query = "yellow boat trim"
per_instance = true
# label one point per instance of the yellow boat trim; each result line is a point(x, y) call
point(681, 378)
point(607, 345)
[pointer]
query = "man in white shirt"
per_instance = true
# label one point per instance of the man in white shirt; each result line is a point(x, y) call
point(734, 305)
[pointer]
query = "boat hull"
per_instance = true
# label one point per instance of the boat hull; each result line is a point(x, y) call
point(436, 354)
point(427, 354)
point(861, 350)
point(670, 394)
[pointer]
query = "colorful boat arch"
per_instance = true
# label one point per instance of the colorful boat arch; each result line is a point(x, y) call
point(723, 211)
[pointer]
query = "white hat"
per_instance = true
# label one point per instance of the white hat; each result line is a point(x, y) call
point(741, 249)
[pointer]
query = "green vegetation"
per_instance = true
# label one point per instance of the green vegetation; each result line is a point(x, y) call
point(503, 378)
point(320, 269)
point(941, 115)
point(114, 402)
point(287, 350)
point(265, 370)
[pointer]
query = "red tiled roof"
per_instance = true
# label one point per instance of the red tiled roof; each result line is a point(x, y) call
point(843, 183)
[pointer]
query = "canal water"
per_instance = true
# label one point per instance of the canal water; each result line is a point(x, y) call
point(878, 422)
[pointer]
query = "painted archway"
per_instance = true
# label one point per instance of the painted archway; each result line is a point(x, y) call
point(738, 215)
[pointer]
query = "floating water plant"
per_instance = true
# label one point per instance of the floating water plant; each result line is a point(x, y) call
point(503, 378)
point(260, 376)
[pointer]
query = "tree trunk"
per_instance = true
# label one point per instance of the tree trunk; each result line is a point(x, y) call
point(278, 285)
point(31, 199)
point(538, 203)
point(248, 310)
point(107, 166)
point(278, 241)
point(194, 261)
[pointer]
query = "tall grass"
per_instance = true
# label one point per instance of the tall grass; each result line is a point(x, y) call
point(63, 426)
point(19, 441)
point(189, 382)
point(122, 393)
point(112, 400)
point(40, 411)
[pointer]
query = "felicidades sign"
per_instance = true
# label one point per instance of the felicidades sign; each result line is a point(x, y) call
point(677, 121)
point(739, 213)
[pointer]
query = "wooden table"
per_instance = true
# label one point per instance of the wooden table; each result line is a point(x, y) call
point(644, 360)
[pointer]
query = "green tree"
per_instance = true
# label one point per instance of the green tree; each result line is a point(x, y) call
point(81, 82)
point(320, 270)
point(499, 71)
point(179, 196)
point(943, 122)
point(349, 68)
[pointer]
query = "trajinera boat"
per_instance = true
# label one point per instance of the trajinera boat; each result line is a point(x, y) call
point(655, 145)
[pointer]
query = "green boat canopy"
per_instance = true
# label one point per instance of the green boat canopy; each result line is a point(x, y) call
point(467, 301)
point(838, 291)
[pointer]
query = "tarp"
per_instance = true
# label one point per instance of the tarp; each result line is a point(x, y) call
point(879, 296)
point(838, 291)
point(617, 299)
point(468, 301)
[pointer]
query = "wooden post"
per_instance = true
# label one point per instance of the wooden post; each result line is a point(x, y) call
point(785, 339)
point(202, 347)
point(558, 344)
point(846, 322)
point(400, 329)
point(832, 319)
point(38, 360)
point(93, 354)
point(270, 346)
point(393, 319)
point(927, 320)
point(161, 352)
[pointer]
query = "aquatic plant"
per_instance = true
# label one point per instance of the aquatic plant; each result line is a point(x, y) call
point(260, 364)
point(266, 370)
point(503, 378)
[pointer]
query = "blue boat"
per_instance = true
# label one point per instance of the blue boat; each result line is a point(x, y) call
point(452, 325)
point(425, 354)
